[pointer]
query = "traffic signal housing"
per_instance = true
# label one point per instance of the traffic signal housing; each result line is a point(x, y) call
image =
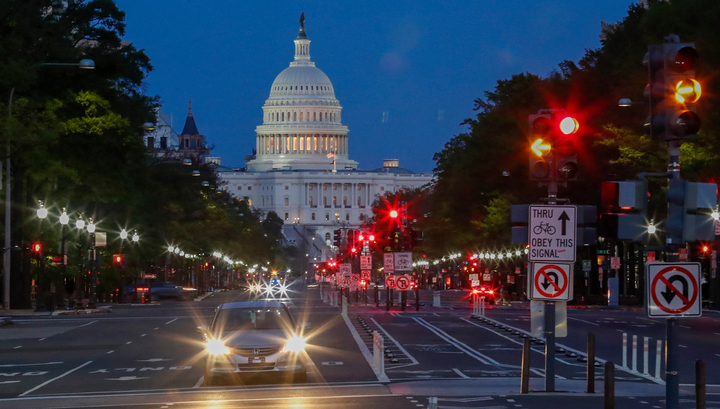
point(672, 90)
point(624, 210)
point(36, 247)
point(119, 260)
point(566, 148)
point(541, 162)
point(553, 145)
point(690, 207)
point(337, 238)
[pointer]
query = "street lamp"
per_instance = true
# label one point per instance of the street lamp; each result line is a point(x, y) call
point(94, 279)
point(64, 220)
point(135, 237)
point(85, 64)
point(39, 293)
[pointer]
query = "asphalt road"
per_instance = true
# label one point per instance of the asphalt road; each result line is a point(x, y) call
point(152, 356)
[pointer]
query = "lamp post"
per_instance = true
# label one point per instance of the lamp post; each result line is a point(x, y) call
point(123, 237)
point(80, 225)
point(39, 293)
point(85, 64)
point(64, 220)
point(93, 273)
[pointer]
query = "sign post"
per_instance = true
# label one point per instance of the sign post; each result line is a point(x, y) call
point(673, 290)
point(552, 231)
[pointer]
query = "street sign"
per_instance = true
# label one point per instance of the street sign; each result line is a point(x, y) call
point(355, 278)
point(100, 239)
point(390, 281)
point(717, 228)
point(551, 281)
point(614, 263)
point(403, 261)
point(517, 270)
point(151, 276)
point(388, 263)
point(344, 282)
point(511, 279)
point(674, 289)
point(650, 256)
point(683, 255)
point(552, 231)
point(365, 275)
point(586, 267)
point(345, 269)
point(474, 277)
point(475, 283)
point(403, 282)
point(365, 262)
point(487, 277)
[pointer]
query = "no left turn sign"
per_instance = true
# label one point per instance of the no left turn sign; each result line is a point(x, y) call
point(390, 282)
point(674, 289)
point(403, 282)
point(551, 281)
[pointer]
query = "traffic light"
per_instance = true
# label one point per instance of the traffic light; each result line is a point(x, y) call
point(566, 148)
point(689, 211)
point(36, 247)
point(337, 237)
point(351, 238)
point(119, 259)
point(393, 214)
point(625, 210)
point(672, 90)
point(541, 157)
point(416, 238)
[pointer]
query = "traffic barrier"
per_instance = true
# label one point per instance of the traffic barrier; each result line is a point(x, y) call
point(700, 392)
point(432, 402)
point(624, 352)
point(344, 306)
point(609, 396)
point(634, 353)
point(378, 354)
point(436, 299)
point(591, 363)
point(646, 347)
point(658, 354)
point(525, 368)
point(646, 356)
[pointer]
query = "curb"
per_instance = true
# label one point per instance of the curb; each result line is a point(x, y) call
point(80, 312)
point(202, 297)
point(5, 321)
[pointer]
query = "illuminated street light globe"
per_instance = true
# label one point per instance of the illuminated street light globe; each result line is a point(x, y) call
point(123, 234)
point(64, 218)
point(80, 224)
point(42, 211)
point(171, 249)
point(177, 250)
point(91, 227)
point(135, 237)
point(182, 253)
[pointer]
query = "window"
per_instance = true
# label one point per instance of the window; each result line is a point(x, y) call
point(311, 200)
point(324, 200)
point(359, 202)
point(324, 187)
point(287, 187)
point(327, 238)
point(345, 201)
point(249, 200)
point(239, 187)
point(301, 116)
point(347, 216)
point(312, 216)
point(382, 187)
point(249, 187)
point(287, 201)
point(345, 187)
point(327, 217)
point(337, 216)
point(334, 187)
point(287, 216)
point(334, 200)
point(311, 187)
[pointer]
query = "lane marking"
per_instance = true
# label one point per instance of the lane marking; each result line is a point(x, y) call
point(587, 322)
point(172, 320)
point(400, 347)
point(129, 342)
point(157, 328)
point(199, 382)
point(459, 345)
point(85, 325)
point(19, 346)
point(684, 326)
point(110, 352)
point(43, 363)
point(42, 339)
point(363, 348)
point(143, 335)
point(54, 379)
point(462, 375)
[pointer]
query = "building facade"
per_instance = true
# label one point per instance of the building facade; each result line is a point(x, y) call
point(301, 167)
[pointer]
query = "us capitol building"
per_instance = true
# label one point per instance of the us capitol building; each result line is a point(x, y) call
point(301, 167)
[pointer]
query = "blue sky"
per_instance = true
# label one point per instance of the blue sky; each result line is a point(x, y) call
point(420, 64)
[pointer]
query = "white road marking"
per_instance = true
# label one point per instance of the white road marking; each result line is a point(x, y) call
point(332, 363)
point(2, 383)
point(172, 320)
point(400, 347)
point(110, 352)
point(363, 348)
point(54, 379)
point(39, 364)
point(462, 375)
point(199, 382)
point(684, 326)
point(587, 322)
point(717, 333)
point(127, 378)
point(129, 342)
point(682, 346)
point(459, 345)
point(42, 339)
point(85, 325)
point(156, 329)
point(154, 360)
point(143, 335)
point(19, 346)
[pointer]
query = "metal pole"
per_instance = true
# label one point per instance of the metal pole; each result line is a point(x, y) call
point(634, 353)
point(658, 359)
point(525, 368)
point(549, 346)
point(417, 298)
point(591, 363)
point(8, 206)
point(646, 347)
point(377, 296)
point(700, 395)
point(672, 363)
point(93, 273)
point(609, 385)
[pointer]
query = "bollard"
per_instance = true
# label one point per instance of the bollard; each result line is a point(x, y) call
point(646, 347)
point(357, 294)
point(658, 358)
point(432, 403)
point(344, 306)
point(417, 298)
point(378, 354)
point(609, 385)
point(634, 354)
point(377, 296)
point(436, 299)
point(624, 356)
point(591, 363)
point(403, 300)
point(700, 396)
point(525, 368)
point(387, 299)
point(482, 306)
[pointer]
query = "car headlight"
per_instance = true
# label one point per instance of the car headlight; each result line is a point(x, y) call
point(294, 344)
point(216, 347)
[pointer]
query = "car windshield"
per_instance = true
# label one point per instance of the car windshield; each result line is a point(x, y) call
point(248, 319)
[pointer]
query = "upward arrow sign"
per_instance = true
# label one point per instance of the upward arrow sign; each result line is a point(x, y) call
point(564, 219)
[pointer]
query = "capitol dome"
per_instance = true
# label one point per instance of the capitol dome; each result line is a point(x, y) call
point(302, 125)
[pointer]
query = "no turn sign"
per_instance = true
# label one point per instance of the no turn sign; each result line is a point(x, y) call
point(403, 282)
point(674, 289)
point(551, 281)
point(390, 282)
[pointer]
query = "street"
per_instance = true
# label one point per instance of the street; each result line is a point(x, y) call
point(150, 355)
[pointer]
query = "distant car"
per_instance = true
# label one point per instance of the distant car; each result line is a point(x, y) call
point(253, 338)
point(163, 289)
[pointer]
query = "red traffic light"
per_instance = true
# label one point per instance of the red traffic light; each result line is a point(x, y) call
point(705, 249)
point(36, 247)
point(354, 250)
point(371, 237)
point(393, 214)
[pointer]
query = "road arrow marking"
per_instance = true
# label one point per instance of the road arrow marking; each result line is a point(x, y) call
point(44, 363)
point(127, 378)
point(4, 382)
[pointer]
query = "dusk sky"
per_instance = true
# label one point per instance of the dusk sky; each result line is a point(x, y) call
point(418, 64)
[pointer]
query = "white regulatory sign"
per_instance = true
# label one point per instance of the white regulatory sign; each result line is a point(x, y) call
point(403, 261)
point(388, 263)
point(365, 262)
point(550, 281)
point(552, 231)
point(345, 269)
point(673, 289)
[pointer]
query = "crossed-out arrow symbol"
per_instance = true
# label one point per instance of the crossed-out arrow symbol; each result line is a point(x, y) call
point(546, 283)
point(671, 291)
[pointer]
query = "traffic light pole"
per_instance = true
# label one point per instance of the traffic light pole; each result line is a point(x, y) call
point(672, 358)
point(549, 313)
